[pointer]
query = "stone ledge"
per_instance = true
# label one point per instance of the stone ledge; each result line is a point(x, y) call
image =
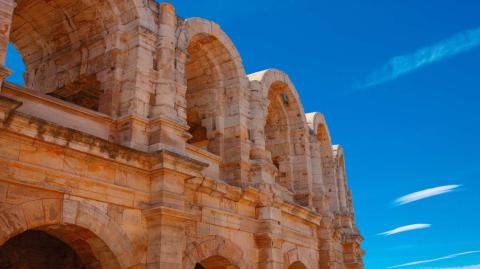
point(35, 128)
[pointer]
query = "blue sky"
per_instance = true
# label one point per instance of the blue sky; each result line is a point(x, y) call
point(399, 84)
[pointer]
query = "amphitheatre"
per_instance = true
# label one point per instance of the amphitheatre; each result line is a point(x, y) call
point(138, 141)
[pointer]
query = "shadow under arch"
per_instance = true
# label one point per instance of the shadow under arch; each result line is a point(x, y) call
point(84, 228)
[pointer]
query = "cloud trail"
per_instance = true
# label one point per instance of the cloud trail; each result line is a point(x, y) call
point(419, 195)
point(436, 259)
point(406, 228)
point(476, 266)
point(404, 64)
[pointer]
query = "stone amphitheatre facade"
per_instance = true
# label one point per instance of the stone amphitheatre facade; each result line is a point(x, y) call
point(138, 141)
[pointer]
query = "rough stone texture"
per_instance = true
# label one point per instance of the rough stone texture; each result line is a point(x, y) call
point(140, 142)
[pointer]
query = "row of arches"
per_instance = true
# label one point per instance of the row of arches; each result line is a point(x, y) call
point(52, 247)
point(74, 235)
point(79, 53)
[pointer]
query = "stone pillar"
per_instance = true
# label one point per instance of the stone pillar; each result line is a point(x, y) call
point(236, 154)
point(329, 177)
point(6, 14)
point(319, 197)
point(262, 169)
point(166, 238)
point(165, 92)
point(148, 117)
point(166, 215)
point(167, 128)
point(269, 239)
point(330, 246)
point(352, 252)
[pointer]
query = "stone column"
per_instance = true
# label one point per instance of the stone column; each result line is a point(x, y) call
point(6, 14)
point(269, 238)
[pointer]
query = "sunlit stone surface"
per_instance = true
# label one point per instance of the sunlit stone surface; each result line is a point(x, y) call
point(138, 141)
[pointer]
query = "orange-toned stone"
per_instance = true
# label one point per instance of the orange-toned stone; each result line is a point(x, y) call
point(140, 142)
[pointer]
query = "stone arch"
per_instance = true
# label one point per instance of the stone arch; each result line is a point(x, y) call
point(210, 79)
point(194, 27)
point(318, 125)
point(214, 250)
point(321, 158)
point(71, 48)
point(83, 227)
point(210, 65)
point(286, 133)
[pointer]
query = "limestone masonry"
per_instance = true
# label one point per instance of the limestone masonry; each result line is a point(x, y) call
point(138, 141)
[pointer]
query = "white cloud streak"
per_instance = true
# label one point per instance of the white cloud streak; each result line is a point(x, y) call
point(404, 64)
point(436, 259)
point(406, 228)
point(419, 195)
point(477, 266)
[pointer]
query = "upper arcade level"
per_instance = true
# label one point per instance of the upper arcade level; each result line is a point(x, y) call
point(132, 73)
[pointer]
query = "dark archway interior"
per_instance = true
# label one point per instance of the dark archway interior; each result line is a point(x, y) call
point(297, 265)
point(38, 250)
point(199, 266)
point(215, 262)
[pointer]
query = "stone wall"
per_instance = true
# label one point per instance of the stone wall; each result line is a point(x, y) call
point(140, 142)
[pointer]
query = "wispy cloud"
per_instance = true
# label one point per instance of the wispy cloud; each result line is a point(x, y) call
point(419, 195)
point(477, 266)
point(436, 259)
point(406, 228)
point(404, 64)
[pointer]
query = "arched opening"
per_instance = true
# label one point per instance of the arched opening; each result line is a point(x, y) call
point(215, 262)
point(68, 49)
point(285, 141)
point(208, 71)
point(297, 265)
point(39, 250)
point(278, 135)
point(15, 63)
point(57, 246)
